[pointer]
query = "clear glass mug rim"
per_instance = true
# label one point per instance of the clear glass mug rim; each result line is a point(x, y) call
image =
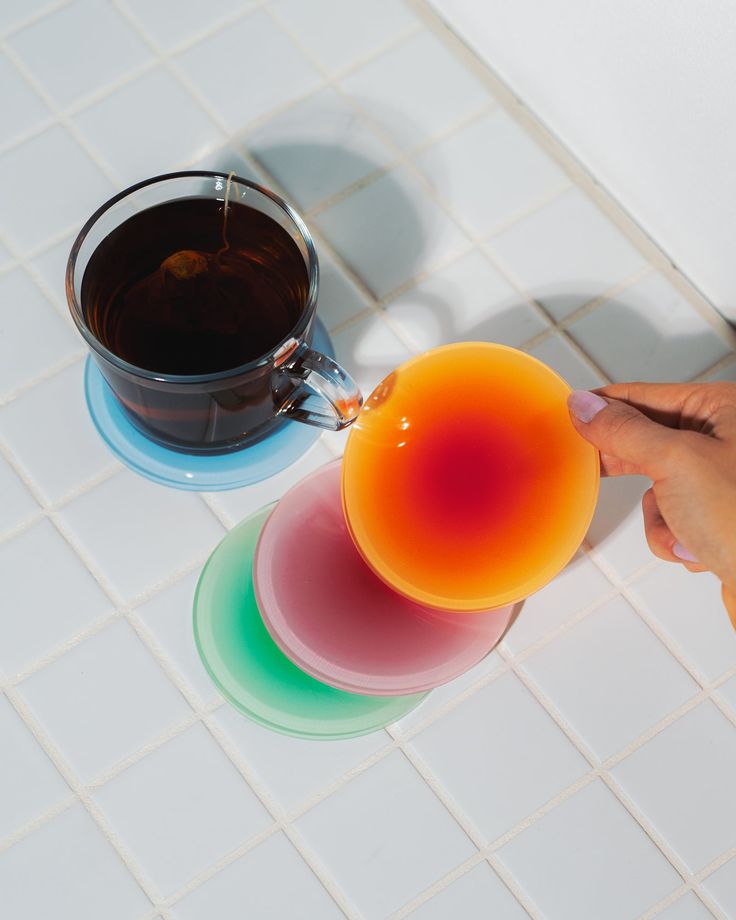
point(264, 360)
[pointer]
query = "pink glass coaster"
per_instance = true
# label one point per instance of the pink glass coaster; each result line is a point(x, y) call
point(339, 622)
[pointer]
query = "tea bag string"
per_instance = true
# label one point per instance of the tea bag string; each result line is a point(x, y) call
point(226, 209)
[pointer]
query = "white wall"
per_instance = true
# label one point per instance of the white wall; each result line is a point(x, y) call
point(643, 92)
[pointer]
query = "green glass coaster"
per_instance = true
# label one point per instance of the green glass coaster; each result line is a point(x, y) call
point(249, 669)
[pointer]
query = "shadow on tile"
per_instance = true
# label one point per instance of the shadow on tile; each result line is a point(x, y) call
point(387, 230)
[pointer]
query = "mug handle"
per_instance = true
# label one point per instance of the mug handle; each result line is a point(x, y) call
point(317, 375)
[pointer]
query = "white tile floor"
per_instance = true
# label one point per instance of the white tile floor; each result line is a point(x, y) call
point(584, 770)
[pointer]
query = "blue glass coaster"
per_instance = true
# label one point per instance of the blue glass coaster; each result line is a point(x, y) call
point(206, 473)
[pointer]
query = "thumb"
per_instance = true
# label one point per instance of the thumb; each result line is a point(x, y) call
point(621, 431)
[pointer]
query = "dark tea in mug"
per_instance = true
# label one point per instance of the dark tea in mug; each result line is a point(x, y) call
point(179, 289)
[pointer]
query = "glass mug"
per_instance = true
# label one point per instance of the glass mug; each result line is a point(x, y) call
point(227, 409)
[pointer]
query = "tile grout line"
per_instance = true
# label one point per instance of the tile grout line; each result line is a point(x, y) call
point(47, 374)
point(657, 909)
point(563, 325)
point(35, 17)
point(35, 823)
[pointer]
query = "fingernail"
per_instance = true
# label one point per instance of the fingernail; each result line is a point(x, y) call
point(585, 405)
point(683, 553)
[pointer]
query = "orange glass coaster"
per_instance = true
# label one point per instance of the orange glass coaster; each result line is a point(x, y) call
point(464, 484)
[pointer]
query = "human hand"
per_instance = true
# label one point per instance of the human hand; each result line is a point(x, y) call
point(683, 437)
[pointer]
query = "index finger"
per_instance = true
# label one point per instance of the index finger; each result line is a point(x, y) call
point(670, 404)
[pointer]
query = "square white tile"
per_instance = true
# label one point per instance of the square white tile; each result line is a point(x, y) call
point(24, 354)
point(616, 534)
point(721, 886)
point(491, 171)
point(168, 616)
point(487, 753)
point(318, 147)
point(271, 882)
point(579, 584)
point(682, 780)
point(466, 300)
point(23, 108)
point(689, 609)
point(29, 783)
point(18, 503)
point(446, 693)
point(339, 298)
point(78, 49)
point(649, 332)
point(385, 837)
point(688, 907)
point(48, 594)
point(103, 700)
point(54, 412)
point(369, 350)
point(416, 91)
point(228, 69)
point(31, 212)
point(557, 352)
point(66, 868)
point(339, 33)
point(182, 808)
point(567, 253)
point(171, 22)
point(477, 895)
point(171, 128)
point(239, 503)
point(599, 677)
point(589, 858)
point(390, 231)
point(138, 532)
point(272, 756)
